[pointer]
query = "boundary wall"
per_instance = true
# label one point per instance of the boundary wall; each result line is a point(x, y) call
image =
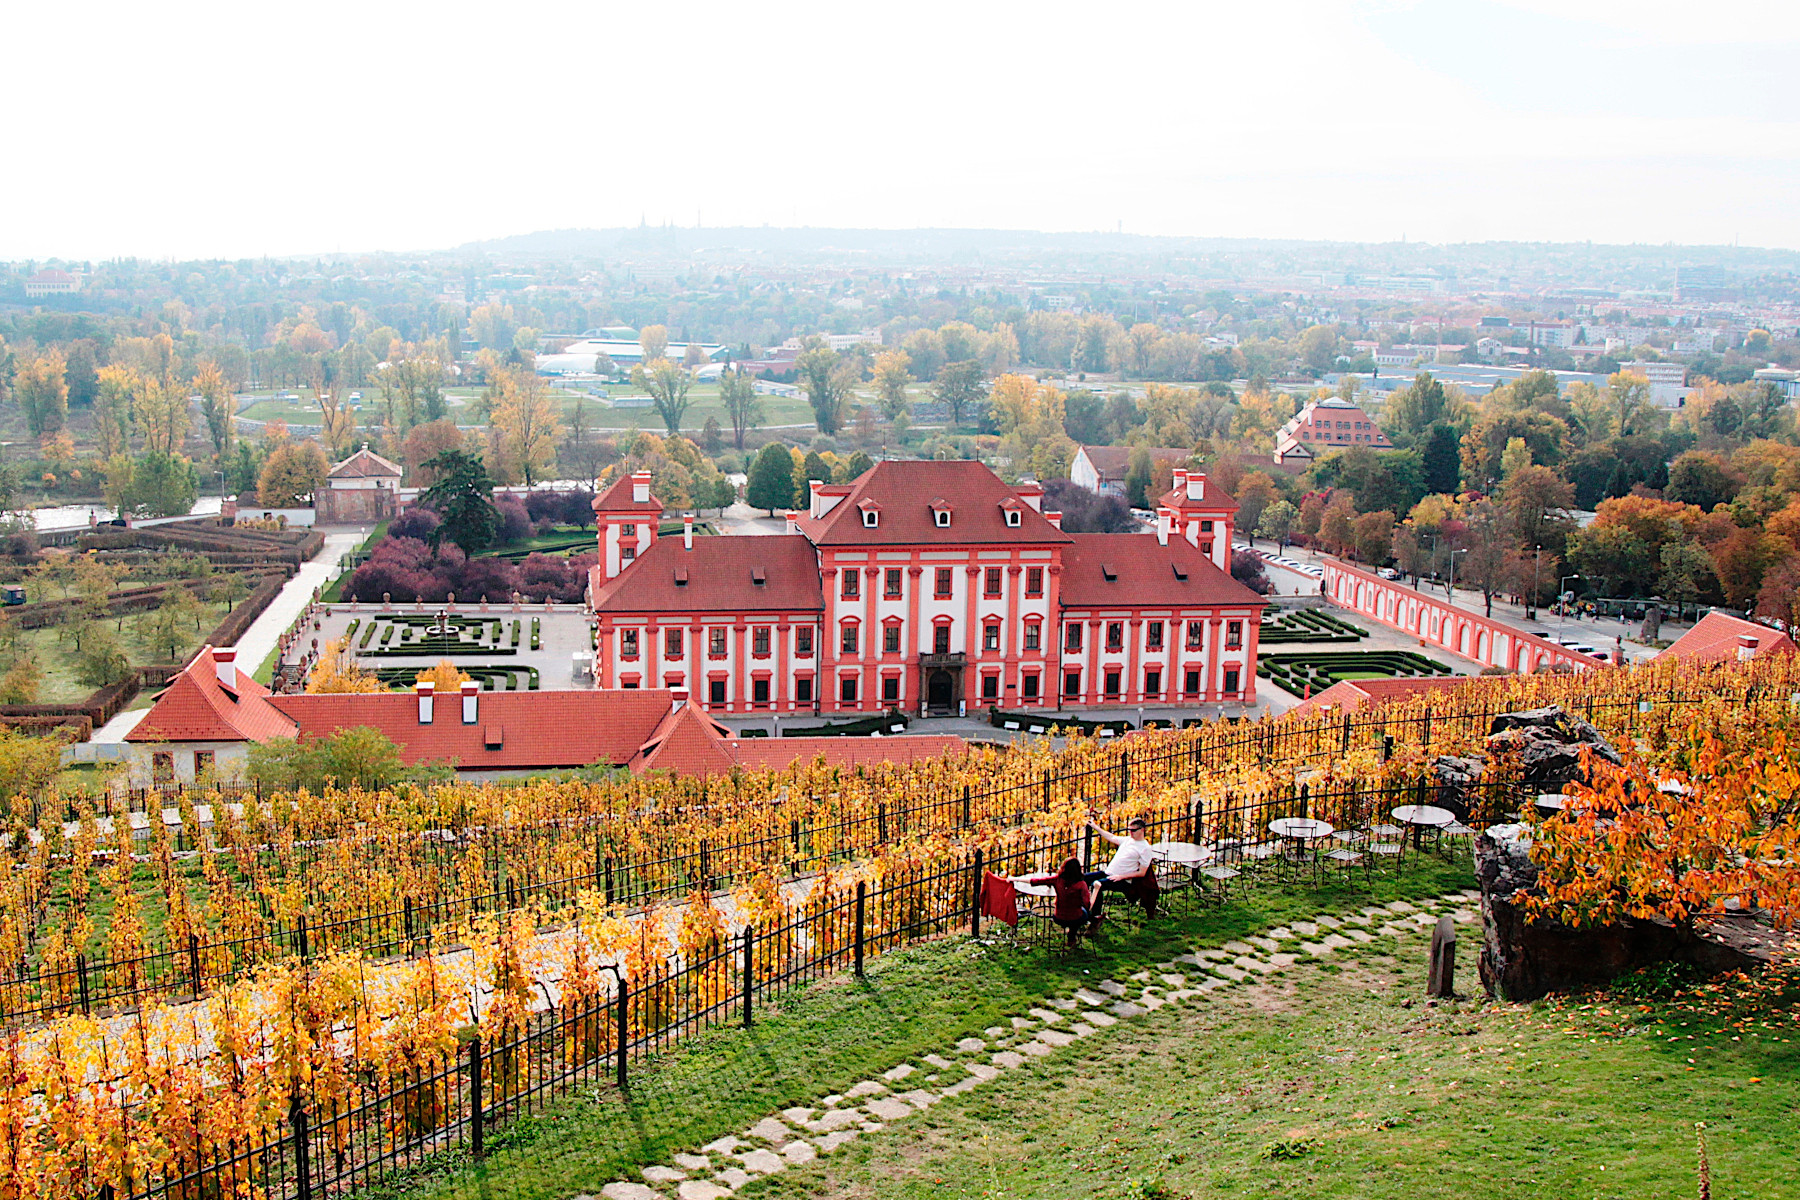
point(1486, 641)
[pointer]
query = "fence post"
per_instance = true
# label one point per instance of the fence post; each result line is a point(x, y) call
point(1087, 846)
point(624, 1030)
point(749, 971)
point(194, 960)
point(475, 1101)
point(81, 982)
point(609, 880)
point(1046, 791)
point(965, 819)
point(881, 821)
point(409, 923)
point(706, 879)
point(1124, 775)
point(1346, 746)
point(975, 899)
point(1425, 734)
point(861, 889)
point(302, 1149)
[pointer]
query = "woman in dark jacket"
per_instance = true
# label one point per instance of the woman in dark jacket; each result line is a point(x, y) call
point(1073, 899)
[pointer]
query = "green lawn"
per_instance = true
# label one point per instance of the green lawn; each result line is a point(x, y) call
point(1340, 1064)
point(56, 656)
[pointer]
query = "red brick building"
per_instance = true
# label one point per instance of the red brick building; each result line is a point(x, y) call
point(930, 587)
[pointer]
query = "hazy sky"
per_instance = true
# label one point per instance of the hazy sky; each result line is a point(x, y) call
point(233, 129)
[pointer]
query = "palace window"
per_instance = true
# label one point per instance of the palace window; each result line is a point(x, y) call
point(991, 582)
point(715, 643)
point(1231, 681)
point(759, 640)
point(990, 636)
point(1153, 635)
point(759, 691)
point(892, 588)
point(852, 584)
point(1152, 684)
point(890, 639)
point(1072, 637)
point(1034, 636)
point(672, 643)
point(716, 691)
point(990, 687)
point(1190, 683)
point(944, 577)
point(1112, 684)
point(1196, 634)
point(803, 638)
point(847, 689)
point(1028, 687)
point(1071, 683)
point(890, 690)
point(1234, 635)
point(803, 690)
point(1115, 636)
point(940, 640)
point(628, 643)
point(1034, 581)
point(848, 640)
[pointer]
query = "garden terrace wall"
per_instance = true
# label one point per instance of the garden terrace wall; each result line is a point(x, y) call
point(1489, 642)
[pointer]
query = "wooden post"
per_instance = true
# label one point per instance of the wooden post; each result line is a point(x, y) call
point(1046, 791)
point(194, 960)
point(81, 982)
point(300, 927)
point(881, 821)
point(609, 880)
point(861, 889)
point(965, 819)
point(1440, 978)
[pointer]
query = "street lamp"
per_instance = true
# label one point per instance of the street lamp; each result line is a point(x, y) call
point(1537, 555)
point(1450, 588)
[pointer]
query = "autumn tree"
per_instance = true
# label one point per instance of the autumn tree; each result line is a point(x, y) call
point(114, 399)
point(424, 443)
point(337, 424)
point(526, 419)
point(1487, 563)
point(293, 473)
point(1277, 522)
point(493, 325)
point(215, 405)
point(337, 672)
point(653, 340)
point(737, 392)
point(826, 381)
point(41, 387)
point(959, 388)
point(446, 677)
point(771, 480)
point(668, 385)
point(161, 413)
point(891, 378)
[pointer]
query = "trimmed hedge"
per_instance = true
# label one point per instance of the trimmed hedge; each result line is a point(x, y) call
point(1298, 672)
point(858, 728)
point(1307, 625)
point(1048, 721)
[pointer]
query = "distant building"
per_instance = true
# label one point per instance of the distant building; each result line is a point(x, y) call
point(579, 358)
point(840, 342)
point(1786, 382)
point(361, 490)
point(1328, 425)
point(51, 283)
point(1668, 381)
point(1559, 335)
point(1705, 284)
point(1102, 469)
point(1490, 350)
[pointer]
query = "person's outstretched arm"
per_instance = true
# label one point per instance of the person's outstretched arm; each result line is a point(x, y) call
point(1114, 838)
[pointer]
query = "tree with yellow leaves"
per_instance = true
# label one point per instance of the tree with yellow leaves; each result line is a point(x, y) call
point(41, 387)
point(337, 672)
point(215, 405)
point(114, 399)
point(446, 678)
point(338, 423)
point(526, 421)
point(161, 410)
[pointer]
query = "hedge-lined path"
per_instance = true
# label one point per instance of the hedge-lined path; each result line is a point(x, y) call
point(798, 1135)
point(259, 640)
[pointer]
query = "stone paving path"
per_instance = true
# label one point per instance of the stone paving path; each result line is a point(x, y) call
point(798, 1135)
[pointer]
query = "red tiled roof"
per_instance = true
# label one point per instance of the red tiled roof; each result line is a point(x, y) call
point(721, 577)
point(536, 729)
point(905, 491)
point(617, 498)
point(1112, 462)
point(1354, 695)
point(1144, 574)
point(688, 742)
point(196, 707)
point(366, 464)
point(1715, 639)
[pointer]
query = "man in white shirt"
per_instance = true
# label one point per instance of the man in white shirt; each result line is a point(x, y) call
point(1131, 862)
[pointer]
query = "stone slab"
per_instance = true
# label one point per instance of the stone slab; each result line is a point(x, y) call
point(1175, 981)
point(1034, 1049)
point(1126, 1008)
point(763, 1162)
point(1101, 1019)
point(702, 1189)
point(896, 1074)
point(1263, 943)
point(983, 1072)
point(933, 1060)
point(1111, 987)
point(1306, 928)
point(919, 1098)
point(971, 1045)
point(832, 1141)
point(1046, 1015)
point(1081, 1030)
point(732, 1177)
point(1239, 948)
point(691, 1162)
point(770, 1130)
point(867, 1087)
point(1231, 973)
point(660, 1174)
point(799, 1152)
point(1094, 999)
point(622, 1190)
point(724, 1145)
point(888, 1108)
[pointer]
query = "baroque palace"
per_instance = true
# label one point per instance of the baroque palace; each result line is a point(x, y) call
point(930, 587)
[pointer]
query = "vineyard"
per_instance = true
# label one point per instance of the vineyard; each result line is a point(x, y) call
point(262, 997)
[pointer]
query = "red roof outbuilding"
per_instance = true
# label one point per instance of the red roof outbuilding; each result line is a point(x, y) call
point(1721, 637)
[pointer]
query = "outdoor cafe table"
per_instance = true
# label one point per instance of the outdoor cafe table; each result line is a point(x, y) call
point(1181, 854)
point(1300, 834)
point(1022, 884)
point(1422, 817)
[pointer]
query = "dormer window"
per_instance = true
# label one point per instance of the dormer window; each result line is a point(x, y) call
point(1013, 519)
point(942, 516)
point(871, 518)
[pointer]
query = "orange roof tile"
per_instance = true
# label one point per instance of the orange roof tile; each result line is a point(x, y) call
point(721, 574)
point(1143, 572)
point(905, 491)
point(1715, 639)
point(197, 707)
point(1354, 695)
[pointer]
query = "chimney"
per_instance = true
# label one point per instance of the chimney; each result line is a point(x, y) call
point(679, 698)
point(1162, 526)
point(814, 486)
point(687, 532)
point(1196, 486)
point(640, 487)
point(225, 663)
point(425, 690)
point(1747, 644)
point(471, 697)
point(1055, 518)
point(1178, 480)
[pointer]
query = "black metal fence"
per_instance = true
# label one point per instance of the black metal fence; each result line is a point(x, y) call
point(204, 959)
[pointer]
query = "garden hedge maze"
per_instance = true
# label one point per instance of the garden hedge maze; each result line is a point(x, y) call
point(1306, 625)
point(1319, 670)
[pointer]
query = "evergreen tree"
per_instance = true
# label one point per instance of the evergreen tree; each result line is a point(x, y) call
point(464, 497)
point(771, 482)
point(1443, 460)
